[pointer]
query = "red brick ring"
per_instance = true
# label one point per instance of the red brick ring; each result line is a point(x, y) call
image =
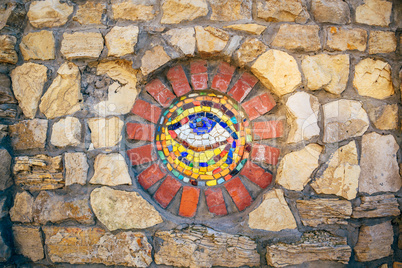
point(202, 136)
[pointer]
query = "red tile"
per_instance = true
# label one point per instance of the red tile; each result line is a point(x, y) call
point(198, 66)
point(256, 174)
point(179, 81)
point(199, 81)
point(239, 193)
point(259, 105)
point(144, 132)
point(267, 130)
point(142, 155)
point(167, 191)
point(215, 201)
point(242, 87)
point(189, 201)
point(150, 176)
point(146, 110)
point(222, 79)
point(265, 153)
point(160, 92)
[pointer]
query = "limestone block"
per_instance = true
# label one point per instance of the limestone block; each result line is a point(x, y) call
point(66, 132)
point(28, 242)
point(5, 13)
point(6, 94)
point(210, 40)
point(105, 132)
point(249, 51)
point(250, 28)
point(377, 206)
point(133, 10)
point(38, 46)
point(385, 117)
point(382, 42)
point(277, 10)
point(5, 170)
point(176, 11)
point(76, 166)
point(49, 13)
point(331, 11)
point(28, 134)
point(183, 38)
point(81, 45)
point(7, 49)
point(22, 211)
point(230, 10)
point(111, 170)
point(374, 12)
point(90, 13)
point(120, 41)
point(153, 59)
point(341, 39)
point(298, 37)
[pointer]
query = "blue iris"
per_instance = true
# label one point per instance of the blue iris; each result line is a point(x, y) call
point(202, 125)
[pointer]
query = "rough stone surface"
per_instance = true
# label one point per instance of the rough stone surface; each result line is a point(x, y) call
point(302, 115)
point(385, 117)
point(123, 210)
point(76, 166)
point(278, 71)
point(230, 10)
point(295, 168)
point(5, 250)
point(81, 45)
point(341, 39)
point(210, 40)
point(332, 11)
point(277, 10)
point(298, 37)
point(5, 13)
point(6, 95)
point(77, 245)
point(66, 132)
point(250, 28)
point(28, 241)
point(132, 10)
point(38, 46)
point(49, 13)
point(5, 170)
point(313, 246)
point(153, 59)
point(40, 172)
point(377, 206)
point(374, 12)
point(176, 11)
point(63, 97)
point(374, 242)
point(28, 134)
point(315, 212)
point(7, 49)
point(329, 72)
point(249, 51)
point(382, 42)
point(22, 211)
point(90, 13)
point(273, 214)
point(105, 132)
point(340, 174)
point(28, 81)
point(344, 119)
point(111, 170)
point(120, 41)
point(183, 38)
point(379, 167)
point(203, 247)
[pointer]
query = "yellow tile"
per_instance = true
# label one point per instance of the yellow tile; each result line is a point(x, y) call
point(217, 151)
point(182, 149)
point(191, 110)
point(169, 167)
point(196, 170)
point(209, 154)
point(209, 173)
point(189, 157)
point(211, 183)
point(203, 169)
point(197, 109)
point(195, 176)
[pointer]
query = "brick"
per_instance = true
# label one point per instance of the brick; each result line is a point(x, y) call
point(178, 79)
point(198, 66)
point(146, 110)
point(222, 78)
point(160, 92)
point(143, 132)
point(151, 175)
point(215, 201)
point(239, 193)
point(256, 174)
point(141, 155)
point(199, 74)
point(167, 191)
point(259, 105)
point(265, 153)
point(267, 130)
point(243, 86)
point(189, 201)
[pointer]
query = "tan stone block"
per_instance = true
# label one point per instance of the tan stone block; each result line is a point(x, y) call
point(385, 117)
point(76, 166)
point(341, 39)
point(120, 41)
point(133, 10)
point(7, 49)
point(374, 12)
point(105, 132)
point(90, 13)
point(28, 134)
point(176, 11)
point(382, 42)
point(250, 28)
point(5, 13)
point(110, 170)
point(249, 51)
point(377, 206)
point(278, 10)
point(22, 211)
point(81, 45)
point(49, 13)
point(66, 132)
point(183, 38)
point(153, 59)
point(298, 37)
point(331, 11)
point(230, 10)
point(38, 46)
point(210, 40)
point(6, 94)
point(28, 242)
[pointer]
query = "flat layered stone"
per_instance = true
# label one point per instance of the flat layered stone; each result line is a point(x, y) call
point(328, 72)
point(331, 11)
point(22, 210)
point(374, 12)
point(344, 119)
point(123, 210)
point(385, 117)
point(249, 51)
point(374, 242)
point(277, 10)
point(340, 174)
point(90, 13)
point(28, 242)
point(295, 168)
point(153, 59)
point(373, 79)
point(66, 132)
point(49, 13)
point(377, 206)
point(183, 38)
point(230, 10)
point(28, 81)
point(342, 39)
point(28, 134)
point(76, 166)
point(313, 246)
point(315, 212)
point(133, 10)
point(7, 49)
point(176, 11)
point(200, 246)
point(40, 172)
point(210, 40)
point(273, 214)
point(5, 170)
point(278, 71)
point(111, 170)
point(302, 117)
point(81, 245)
point(6, 94)
point(63, 97)
point(120, 41)
point(81, 45)
point(10, 113)
point(38, 46)
point(379, 167)
point(298, 37)
point(105, 132)
point(250, 28)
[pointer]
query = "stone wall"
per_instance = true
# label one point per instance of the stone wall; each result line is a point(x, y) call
point(91, 95)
